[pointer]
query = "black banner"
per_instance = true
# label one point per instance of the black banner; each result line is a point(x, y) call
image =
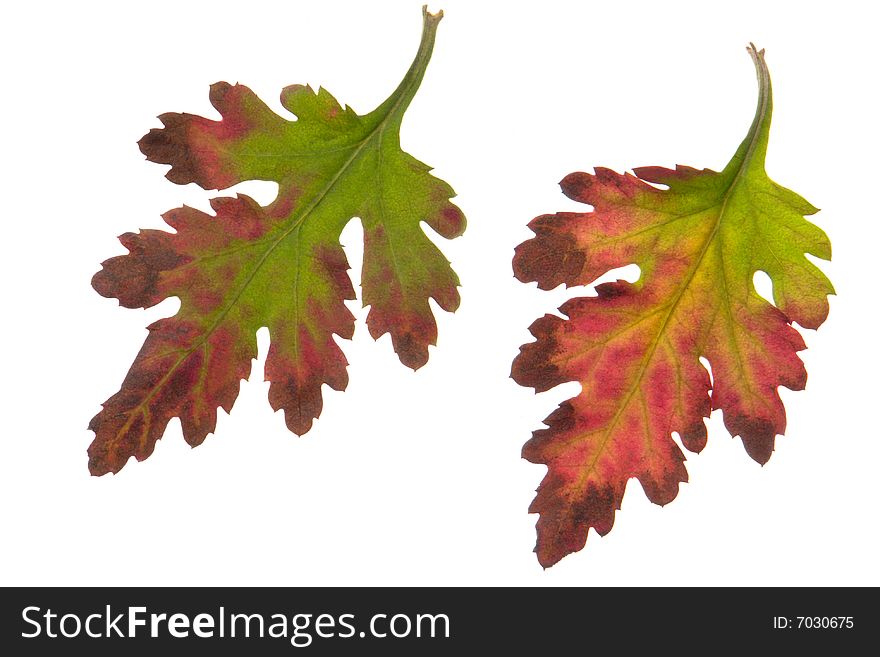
point(425, 621)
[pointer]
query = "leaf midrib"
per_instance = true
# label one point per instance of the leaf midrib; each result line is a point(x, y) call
point(649, 354)
point(305, 211)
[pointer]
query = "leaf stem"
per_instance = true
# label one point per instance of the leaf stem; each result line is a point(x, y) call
point(391, 111)
point(754, 146)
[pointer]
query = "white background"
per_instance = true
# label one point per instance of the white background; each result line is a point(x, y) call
point(416, 479)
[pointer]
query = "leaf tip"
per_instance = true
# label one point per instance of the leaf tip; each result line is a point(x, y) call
point(758, 435)
point(411, 353)
point(99, 462)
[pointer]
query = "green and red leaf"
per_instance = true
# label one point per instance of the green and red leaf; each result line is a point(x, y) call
point(635, 348)
point(279, 266)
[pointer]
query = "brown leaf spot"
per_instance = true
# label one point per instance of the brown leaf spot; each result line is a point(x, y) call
point(170, 145)
point(694, 438)
point(550, 258)
point(758, 435)
point(134, 278)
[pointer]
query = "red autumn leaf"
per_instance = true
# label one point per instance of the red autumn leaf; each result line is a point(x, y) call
point(635, 348)
point(279, 266)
